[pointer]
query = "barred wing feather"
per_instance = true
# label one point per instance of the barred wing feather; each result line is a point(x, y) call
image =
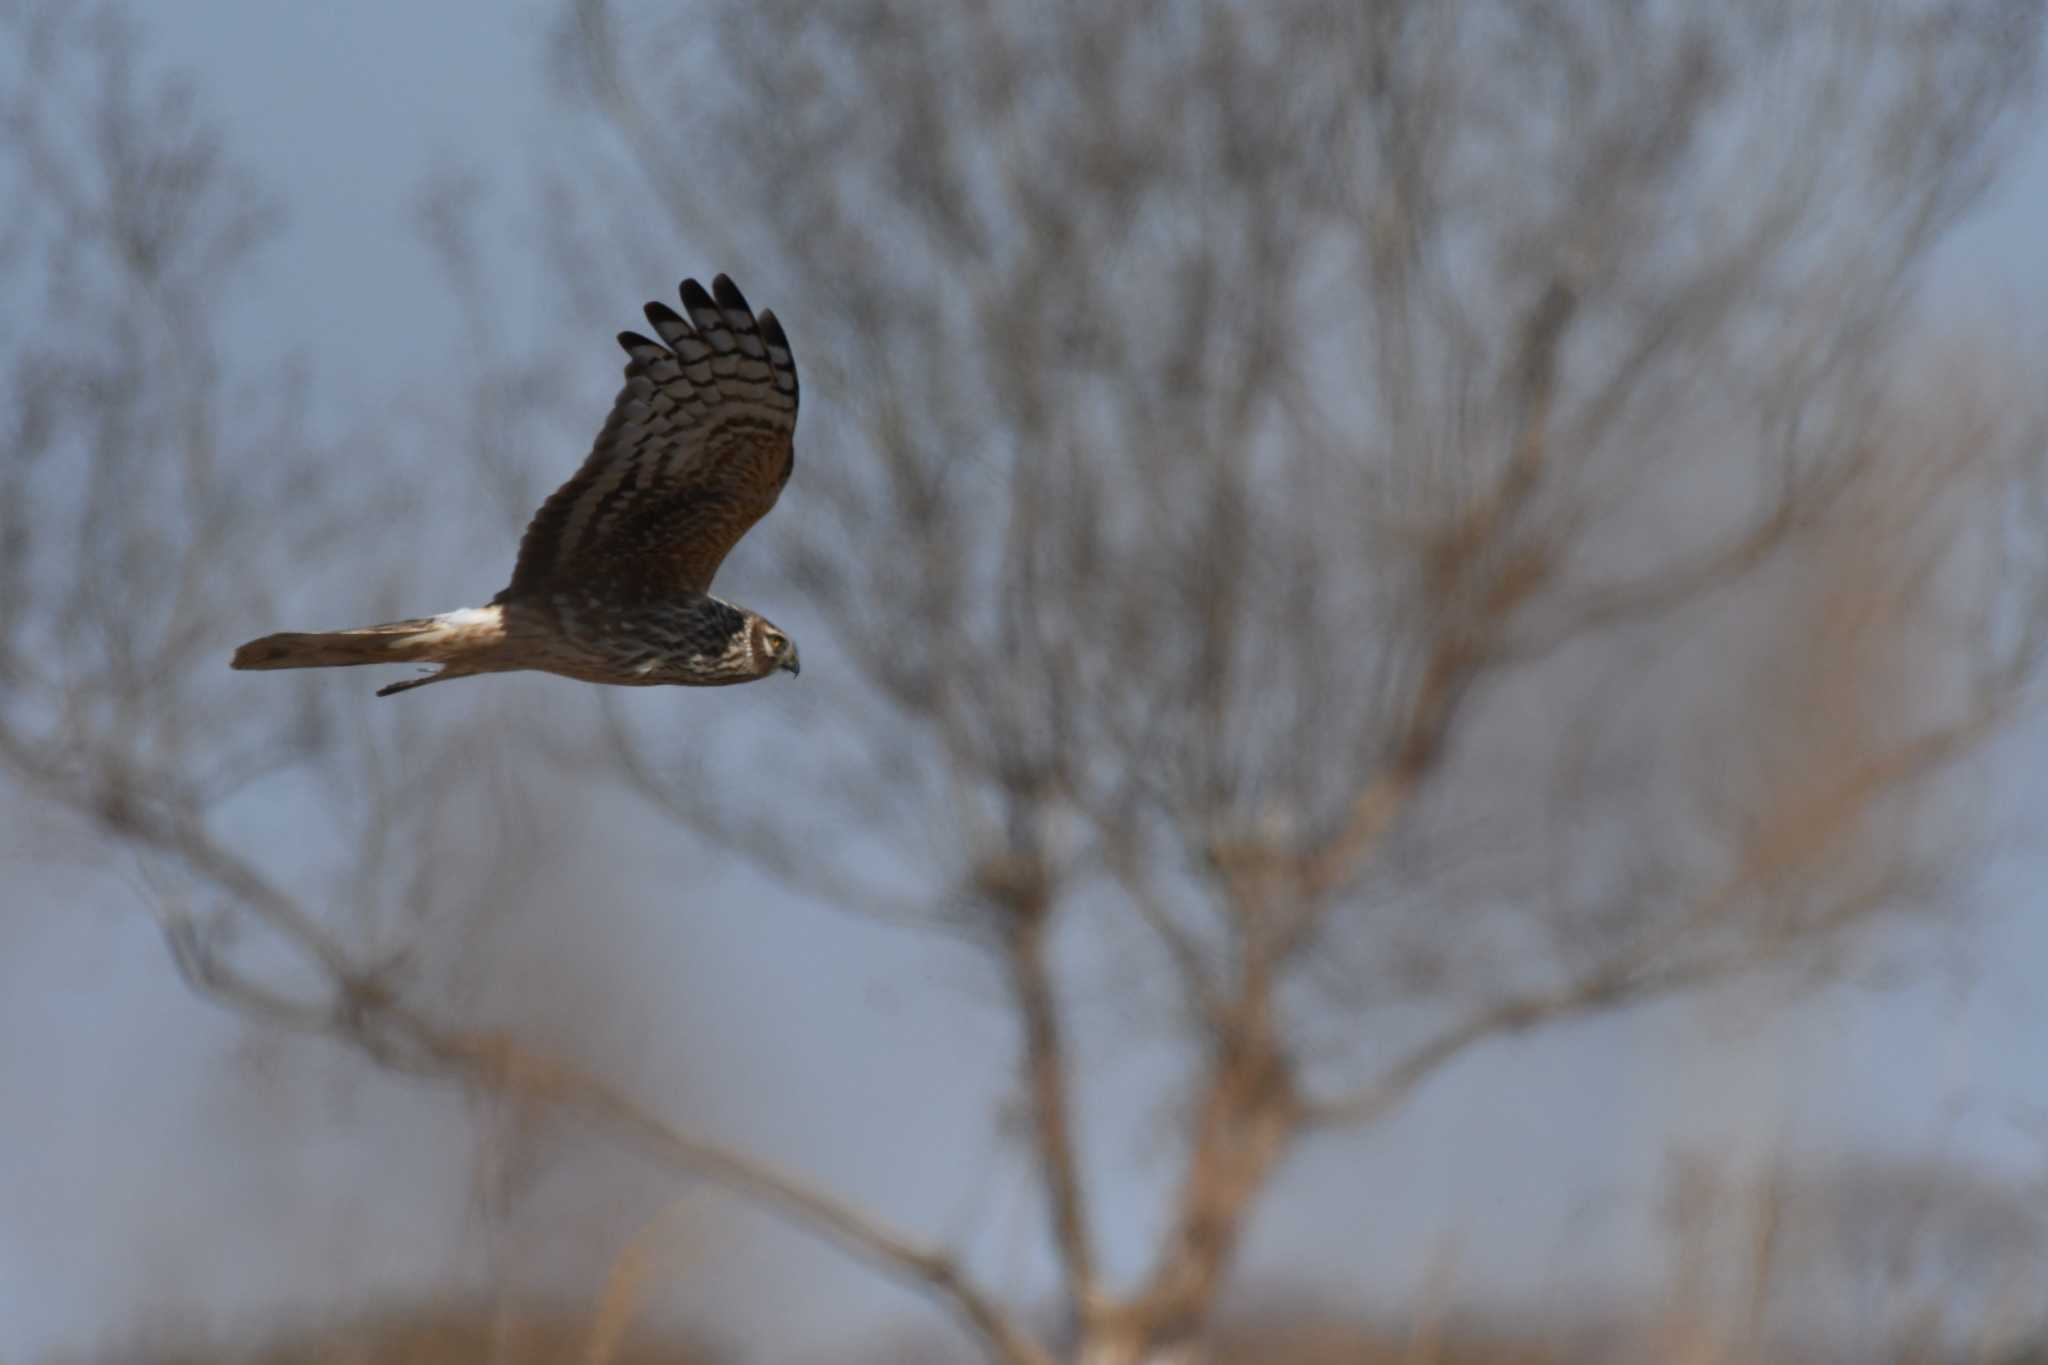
point(696, 450)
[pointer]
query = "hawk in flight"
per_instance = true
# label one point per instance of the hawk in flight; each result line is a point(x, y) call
point(613, 582)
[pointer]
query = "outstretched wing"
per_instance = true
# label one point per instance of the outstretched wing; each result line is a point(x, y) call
point(696, 450)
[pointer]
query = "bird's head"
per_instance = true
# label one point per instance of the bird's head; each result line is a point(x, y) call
point(769, 649)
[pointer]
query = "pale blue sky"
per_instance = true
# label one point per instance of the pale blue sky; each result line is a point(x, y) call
point(110, 1202)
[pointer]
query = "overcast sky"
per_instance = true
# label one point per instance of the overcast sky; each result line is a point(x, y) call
point(115, 1204)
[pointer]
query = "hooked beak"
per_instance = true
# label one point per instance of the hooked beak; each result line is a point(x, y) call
point(789, 662)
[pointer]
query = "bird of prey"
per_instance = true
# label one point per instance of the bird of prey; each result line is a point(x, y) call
point(613, 581)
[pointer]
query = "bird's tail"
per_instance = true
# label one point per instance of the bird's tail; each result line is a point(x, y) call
point(448, 638)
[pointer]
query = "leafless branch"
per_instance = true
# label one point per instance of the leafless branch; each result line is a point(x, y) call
point(397, 1035)
point(1048, 1079)
point(1659, 962)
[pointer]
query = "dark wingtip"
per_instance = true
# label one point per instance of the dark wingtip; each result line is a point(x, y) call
point(694, 295)
point(729, 296)
point(771, 329)
point(659, 312)
point(633, 341)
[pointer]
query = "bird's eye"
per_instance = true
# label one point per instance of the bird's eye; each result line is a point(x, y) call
point(777, 643)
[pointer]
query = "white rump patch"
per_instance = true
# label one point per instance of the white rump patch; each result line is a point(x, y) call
point(469, 616)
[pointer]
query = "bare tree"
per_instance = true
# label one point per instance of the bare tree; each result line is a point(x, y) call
point(1432, 516)
point(154, 486)
point(1396, 524)
point(149, 488)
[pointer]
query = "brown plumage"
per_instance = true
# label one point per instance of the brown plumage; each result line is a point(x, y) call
point(613, 580)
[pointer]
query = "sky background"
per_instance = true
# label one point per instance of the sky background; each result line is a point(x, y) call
point(1531, 1163)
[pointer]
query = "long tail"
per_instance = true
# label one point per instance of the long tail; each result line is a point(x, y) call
point(452, 638)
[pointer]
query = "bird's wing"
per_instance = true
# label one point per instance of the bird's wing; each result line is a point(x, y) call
point(696, 450)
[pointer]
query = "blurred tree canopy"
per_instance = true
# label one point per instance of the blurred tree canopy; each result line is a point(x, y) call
point(1392, 525)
